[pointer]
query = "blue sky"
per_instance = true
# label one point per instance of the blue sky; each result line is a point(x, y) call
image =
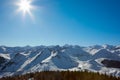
point(59, 22)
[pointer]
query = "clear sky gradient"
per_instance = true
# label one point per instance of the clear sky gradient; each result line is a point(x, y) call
point(59, 22)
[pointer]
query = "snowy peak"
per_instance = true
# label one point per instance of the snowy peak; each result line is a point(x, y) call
point(68, 57)
point(106, 46)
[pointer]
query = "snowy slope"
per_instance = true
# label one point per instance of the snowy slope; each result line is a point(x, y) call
point(21, 60)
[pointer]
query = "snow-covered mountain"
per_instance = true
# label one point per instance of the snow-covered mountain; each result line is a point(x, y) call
point(97, 58)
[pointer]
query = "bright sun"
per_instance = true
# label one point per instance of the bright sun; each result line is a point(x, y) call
point(25, 7)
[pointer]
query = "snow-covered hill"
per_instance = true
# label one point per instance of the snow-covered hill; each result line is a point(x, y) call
point(97, 58)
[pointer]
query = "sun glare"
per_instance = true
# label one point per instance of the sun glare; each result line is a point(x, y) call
point(25, 7)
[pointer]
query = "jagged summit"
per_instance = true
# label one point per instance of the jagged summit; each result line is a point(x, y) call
point(21, 60)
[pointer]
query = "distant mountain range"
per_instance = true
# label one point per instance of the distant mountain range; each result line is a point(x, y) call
point(22, 60)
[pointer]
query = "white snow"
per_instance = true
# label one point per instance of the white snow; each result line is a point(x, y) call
point(4, 49)
point(6, 56)
point(32, 59)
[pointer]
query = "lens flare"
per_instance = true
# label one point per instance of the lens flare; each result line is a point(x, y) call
point(25, 7)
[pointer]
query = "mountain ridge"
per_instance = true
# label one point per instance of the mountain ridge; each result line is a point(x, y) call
point(21, 60)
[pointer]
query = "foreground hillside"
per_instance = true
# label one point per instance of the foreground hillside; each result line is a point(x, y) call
point(22, 60)
point(64, 75)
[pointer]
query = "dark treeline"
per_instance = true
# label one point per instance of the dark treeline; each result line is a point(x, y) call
point(62, 75)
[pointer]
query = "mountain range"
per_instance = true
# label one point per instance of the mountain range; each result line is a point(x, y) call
point(21, 60)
